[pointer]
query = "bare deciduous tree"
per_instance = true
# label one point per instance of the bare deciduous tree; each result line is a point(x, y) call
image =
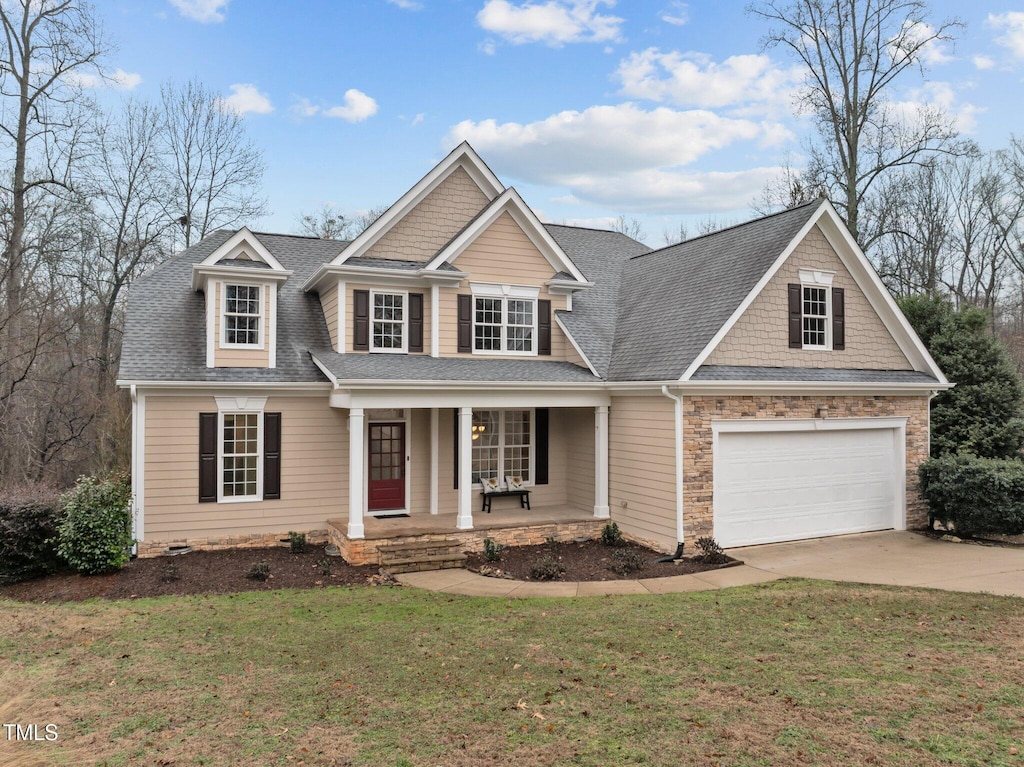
point(630, 227)
point(326, 223)
point(854, 52)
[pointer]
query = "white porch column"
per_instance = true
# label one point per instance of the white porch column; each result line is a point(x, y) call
point(433, 460)
point(601, 510)
point(465, 520)
point(356, 473)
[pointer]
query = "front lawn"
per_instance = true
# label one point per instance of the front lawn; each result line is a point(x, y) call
point(793, 673)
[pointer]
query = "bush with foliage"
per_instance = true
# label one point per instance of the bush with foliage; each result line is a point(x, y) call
point(611, 535)
point(984, 413)
point(492, 550)
point(710, 552)
point(95, 534)
point(626, 561)
point(297, 542)
point(258, 571)
point(29, 517)
point(547, 569)
point(975, 495)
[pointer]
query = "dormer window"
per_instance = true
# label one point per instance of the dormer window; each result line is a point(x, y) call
point(243, 314)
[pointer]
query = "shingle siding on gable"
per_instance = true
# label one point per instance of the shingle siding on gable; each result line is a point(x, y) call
point(434, 221)
point(761, 337)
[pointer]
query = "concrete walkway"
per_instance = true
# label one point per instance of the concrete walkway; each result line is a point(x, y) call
point(890, 558)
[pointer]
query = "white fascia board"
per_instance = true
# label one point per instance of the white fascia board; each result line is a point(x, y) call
point(576, 346)
point(478, 397)
point(754, 293)
point(462, 156)
point(282, 387)
point(565, 287)
point(380, 276)
point(201, 272)
point(324, 369)
point(243, 235)
point(877, 294)
point(510, 202)
point(831, 388)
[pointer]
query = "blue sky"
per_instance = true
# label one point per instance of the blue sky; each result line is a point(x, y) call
point(665, 111)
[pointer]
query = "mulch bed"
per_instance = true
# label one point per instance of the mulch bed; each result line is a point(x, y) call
point(586, 561)
point(224, 572)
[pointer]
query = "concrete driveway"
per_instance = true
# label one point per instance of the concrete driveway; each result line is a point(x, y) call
point(894, 558)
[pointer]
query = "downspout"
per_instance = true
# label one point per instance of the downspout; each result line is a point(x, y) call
point(681, 540)
point(134, 468)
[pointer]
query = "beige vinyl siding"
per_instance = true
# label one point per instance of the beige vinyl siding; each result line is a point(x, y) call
point(314, 471)
point(579, 427)
point(329, 302)
point(501, 255)
point(350, 304)
point(419, 460)
point(240, 358)
point(438, 217)
point(641, 468)
point(761, 336)
point(555, 493)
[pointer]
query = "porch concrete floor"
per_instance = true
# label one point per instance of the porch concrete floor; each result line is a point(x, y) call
point(500, 517)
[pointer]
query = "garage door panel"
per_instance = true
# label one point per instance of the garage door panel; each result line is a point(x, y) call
point(787, 485)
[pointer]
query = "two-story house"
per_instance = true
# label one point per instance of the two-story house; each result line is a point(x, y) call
point(757, 384)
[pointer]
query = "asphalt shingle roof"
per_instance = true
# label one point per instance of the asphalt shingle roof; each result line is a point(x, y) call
point(672, 301)
point(816, 375)
point(373, 367)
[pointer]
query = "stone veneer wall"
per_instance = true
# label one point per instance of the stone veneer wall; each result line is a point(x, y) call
point(255, 541)
point(363, 551)
point(699, 412)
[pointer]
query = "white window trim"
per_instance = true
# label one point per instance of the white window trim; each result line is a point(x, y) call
point(240, 406)
point(504, 293)
point(261, 330)
point(501, 445)
point(405, 322)
point(827, 287)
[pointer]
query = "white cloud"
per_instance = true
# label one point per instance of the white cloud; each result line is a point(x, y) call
point(984, 62)
point(554, 22)
point(677, 13)
point(303, 107)
point(203, 11)
point(488, 46)
point(407, 5)
point(246, 99)
point(939, 96)
point(119, 80)
point(751, 82)
point(357, 107)
point(931, 53)
point(1011, 25)
point(417, 119)
point(625, 157)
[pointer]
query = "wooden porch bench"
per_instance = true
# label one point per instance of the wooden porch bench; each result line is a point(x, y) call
point(524, 498)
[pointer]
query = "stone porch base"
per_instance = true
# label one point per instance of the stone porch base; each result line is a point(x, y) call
point(251, 541)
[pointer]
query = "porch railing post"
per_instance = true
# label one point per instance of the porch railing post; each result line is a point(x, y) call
point(601, 510)
point(465, 520)
point(356, 473)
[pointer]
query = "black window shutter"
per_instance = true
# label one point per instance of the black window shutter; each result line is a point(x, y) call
point(838, 319)
point(455, 441)
point(541, 417)
point(271, 456)
point(544, 327)
point(465, 324)
point(415, 322)
point(207, 457)
point(361, 320)
point(796, 325)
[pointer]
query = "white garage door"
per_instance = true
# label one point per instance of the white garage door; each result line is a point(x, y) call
point(787, 485)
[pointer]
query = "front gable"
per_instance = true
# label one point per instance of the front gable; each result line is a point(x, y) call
point(760, 336)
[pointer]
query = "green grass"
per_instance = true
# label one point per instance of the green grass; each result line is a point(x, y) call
point(791, 672)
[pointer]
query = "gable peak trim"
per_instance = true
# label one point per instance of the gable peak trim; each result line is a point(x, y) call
point(253, 248)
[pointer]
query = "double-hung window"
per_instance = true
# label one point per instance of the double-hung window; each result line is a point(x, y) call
point(389, 319)
point(240, 455)
point(502, 444)
point(504, 320)
point(242, 315)
point(815, 316)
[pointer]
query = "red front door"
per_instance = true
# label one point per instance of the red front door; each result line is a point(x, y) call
point(386, 487)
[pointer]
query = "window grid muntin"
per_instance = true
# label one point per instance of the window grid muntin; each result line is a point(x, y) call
point(504, 324)
point(240, 455)
point(389, 319)
point(242, 315)
point(502, 444)
point(815, 316)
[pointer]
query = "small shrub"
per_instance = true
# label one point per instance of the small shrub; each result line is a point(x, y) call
point(975, 495)
point(611, 535)
point(547, 569)
point(297, 542)
point(492, 550)
point(710, 552)
point(324, 565)
point(29, 518)
point(95, 534)
point(550, 542)
point(626, 561)
point(258, 571)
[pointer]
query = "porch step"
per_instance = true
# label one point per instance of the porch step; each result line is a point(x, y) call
point(417, 556)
